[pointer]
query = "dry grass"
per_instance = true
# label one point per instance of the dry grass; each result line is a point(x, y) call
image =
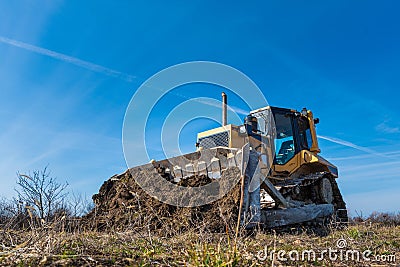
point(127, 228)
point(139, 247)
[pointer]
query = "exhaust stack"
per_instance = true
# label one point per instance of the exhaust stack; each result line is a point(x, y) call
point(224, 109)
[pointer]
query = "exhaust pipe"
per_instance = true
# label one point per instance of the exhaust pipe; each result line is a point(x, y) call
point(224, 109)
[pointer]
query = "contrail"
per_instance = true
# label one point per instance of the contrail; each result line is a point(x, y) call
point(349, 144)
point(91, 66)
point(69, 59)
point(212, 104)
point(217, 105)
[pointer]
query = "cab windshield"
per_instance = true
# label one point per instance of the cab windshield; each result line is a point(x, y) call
point(284, 142)
point(282, 148)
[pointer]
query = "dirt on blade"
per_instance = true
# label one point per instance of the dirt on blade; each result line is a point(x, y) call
point(122, 203)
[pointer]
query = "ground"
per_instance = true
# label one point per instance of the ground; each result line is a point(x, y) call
point(127, 227)
point(141, 247)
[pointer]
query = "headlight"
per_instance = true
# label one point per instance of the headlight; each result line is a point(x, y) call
point(242, 130)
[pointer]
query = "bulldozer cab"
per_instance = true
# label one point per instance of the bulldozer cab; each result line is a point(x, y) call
point(290, 130)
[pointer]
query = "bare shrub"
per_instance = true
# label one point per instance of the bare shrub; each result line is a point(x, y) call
point(41, 193)
point(79, 204)
point(8, 210)
point(385, 218)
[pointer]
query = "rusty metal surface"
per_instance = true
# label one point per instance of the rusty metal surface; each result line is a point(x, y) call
point(283, 217)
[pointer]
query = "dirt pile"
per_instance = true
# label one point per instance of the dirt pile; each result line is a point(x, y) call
point(121, 203)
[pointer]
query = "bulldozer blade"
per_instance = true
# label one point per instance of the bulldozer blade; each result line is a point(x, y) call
point(210, 162)
point(170, 180)
point(283, 217)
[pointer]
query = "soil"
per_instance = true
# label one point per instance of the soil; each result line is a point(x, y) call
point(121, 203)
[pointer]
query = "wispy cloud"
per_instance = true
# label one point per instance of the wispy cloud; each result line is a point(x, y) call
point(96, 68)
point(350, 144)
point(374, 169)
point(391, 154)
point(383, 127)
point(68, 59)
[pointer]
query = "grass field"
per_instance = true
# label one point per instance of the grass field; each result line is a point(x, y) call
point(46, 246)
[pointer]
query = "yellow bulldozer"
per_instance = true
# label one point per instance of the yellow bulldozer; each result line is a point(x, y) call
point(296, 184)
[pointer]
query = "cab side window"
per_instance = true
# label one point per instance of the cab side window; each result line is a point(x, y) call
point(304, 133)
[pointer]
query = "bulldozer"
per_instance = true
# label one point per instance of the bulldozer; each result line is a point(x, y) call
point(297, 184)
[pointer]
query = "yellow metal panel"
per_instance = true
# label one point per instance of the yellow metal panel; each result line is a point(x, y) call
point(292, 165)
point(314, 147)
point(235, 140)
point(304, 157)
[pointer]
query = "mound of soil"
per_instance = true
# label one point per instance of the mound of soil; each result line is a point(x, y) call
point(121, 203)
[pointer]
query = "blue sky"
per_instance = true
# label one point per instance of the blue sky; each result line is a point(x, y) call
point(68, 70)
